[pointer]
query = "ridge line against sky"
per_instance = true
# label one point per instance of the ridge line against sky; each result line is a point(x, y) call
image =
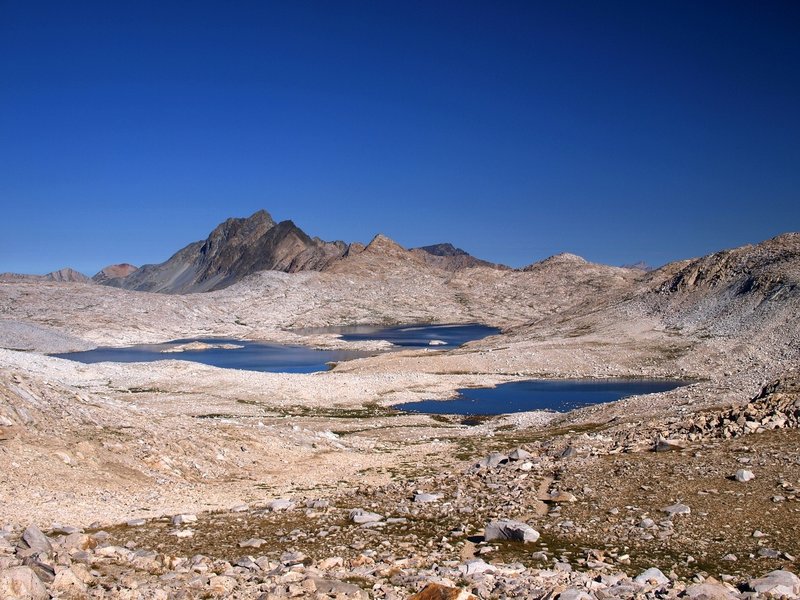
point(618, 131)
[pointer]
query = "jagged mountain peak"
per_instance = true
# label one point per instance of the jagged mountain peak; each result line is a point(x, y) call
point(384, 245)
point(235, 249)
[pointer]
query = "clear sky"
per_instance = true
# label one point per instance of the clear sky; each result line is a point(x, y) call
point(620, 131)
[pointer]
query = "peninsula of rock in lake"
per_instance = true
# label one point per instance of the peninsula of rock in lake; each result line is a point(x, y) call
point(173, 479)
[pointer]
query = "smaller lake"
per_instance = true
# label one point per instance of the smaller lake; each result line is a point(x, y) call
point(413, 336)
point(237, 354)
point(560, 395)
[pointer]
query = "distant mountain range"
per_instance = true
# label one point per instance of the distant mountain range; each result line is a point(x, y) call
point(66, 274)
point(240, 247)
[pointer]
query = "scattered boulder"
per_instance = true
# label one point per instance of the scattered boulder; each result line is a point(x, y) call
point(360, 516)
point(677, 509)
point(506, 529)
point(494, 459)
point(135, 522)
point(520, 454)
point(280, 505)
point(475, 566)
point(557, 496)
point(36, 541)
point(183, 519)
point(664, 445)
point(651, 577)
point(425, 498)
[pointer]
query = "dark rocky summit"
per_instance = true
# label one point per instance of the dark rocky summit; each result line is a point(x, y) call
point(448, 257)
point(235, 249)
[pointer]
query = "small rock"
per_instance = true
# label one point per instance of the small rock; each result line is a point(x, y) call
point(743, 475)
point(647, 523)
point(281, 504)
point(669, 445)
point(360, 516)
point(424, 498)
point(574, 594)
point(182, 533)
point(677, 509)
point(520, 454)
point(252, 543)
point(222, 585)
point(560, 496)
point(475, 567)
point(495, 459)
point(183, 519)
point(135, 522)
point(568, 452)
point(65, 529)
point(326, 564)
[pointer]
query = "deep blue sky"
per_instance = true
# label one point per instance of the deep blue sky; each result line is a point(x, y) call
point(620, 131)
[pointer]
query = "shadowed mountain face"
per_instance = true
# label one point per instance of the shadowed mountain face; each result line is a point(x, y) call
point(235, 249)
point(448, 257)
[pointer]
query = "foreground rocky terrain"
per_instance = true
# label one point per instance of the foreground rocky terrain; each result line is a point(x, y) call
point(314, 486)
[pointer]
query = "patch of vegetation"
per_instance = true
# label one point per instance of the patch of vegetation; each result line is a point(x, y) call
point(216, 416)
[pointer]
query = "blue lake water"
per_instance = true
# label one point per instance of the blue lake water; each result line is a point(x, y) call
point(413, 336)
point(252, 356)
point(540, 394)
point(281, 358)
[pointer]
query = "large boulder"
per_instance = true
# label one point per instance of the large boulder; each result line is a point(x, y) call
point(21, 583)
point(36, 541)
point(777, 584)
point(506, 529)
